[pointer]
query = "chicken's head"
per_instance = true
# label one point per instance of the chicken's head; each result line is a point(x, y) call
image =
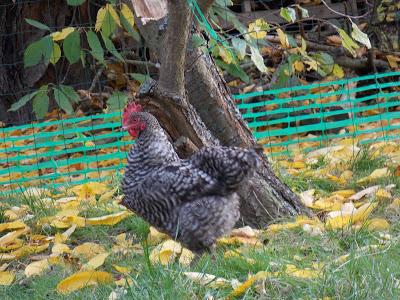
point(131, 120)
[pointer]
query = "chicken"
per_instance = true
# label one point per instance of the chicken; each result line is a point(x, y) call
point(193, 200)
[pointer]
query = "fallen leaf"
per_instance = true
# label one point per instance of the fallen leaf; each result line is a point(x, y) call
point(11, 236)
point(307, 197)
point(82, 279)
point(122, 270)
point(376, 174)
point(18, 224)
point(165, 252)
point(377, 224)
point(382, 195)
point(88, 250)
point(292, 270)
point(109, 219)
point(60, 248)
point(63, 237)
point(36, 268)
point(155, 236)
point(366, 192)
point(186, 257)
point(6, 278)
point(360, 215)
point(95, 262)
point(207, 279)
point(124, 281)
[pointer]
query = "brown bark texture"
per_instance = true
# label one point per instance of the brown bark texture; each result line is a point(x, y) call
point(207, 112)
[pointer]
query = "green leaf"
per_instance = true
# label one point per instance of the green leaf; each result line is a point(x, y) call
point(139, 77)
point(360, 36)
point(347, 42)
point(129, 28)
point(70, 93)
point(37, 24)
point(40, 103)
point(258, 60)
point(325, 63)
point(117, 101)
point(22, 101)
point(95, 46)
point(288, 13)
point(110, 47)
point(75, 2)
point(303, 11)
point(56, 54)
point(34, 53)
point(240, 46)
point(108, 26)
point(62, 101)
point(234, 70)
point(72, 47)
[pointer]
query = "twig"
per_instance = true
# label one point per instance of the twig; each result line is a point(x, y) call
point(96, 79)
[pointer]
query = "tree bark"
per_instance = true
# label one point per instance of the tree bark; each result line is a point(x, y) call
point(213, 112)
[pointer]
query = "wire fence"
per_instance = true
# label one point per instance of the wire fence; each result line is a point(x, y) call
point(66, 150)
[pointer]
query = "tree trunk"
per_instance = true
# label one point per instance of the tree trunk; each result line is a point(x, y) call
point(213, 115)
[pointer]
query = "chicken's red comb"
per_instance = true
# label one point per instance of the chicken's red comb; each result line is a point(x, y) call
point(130, 108)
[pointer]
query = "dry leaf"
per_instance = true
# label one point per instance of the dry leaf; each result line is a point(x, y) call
point(377, 224)
point(82, 279)
point(207, 279)
point(155, 236)
point(186, 257)
point(109, 219)
point(18, 224)
point(36, 268)
point(122, 270)
point(95, 262)
point(6, 278)
point(366, 192)
point(165, 252)
point(376, 174)
point(88, 250)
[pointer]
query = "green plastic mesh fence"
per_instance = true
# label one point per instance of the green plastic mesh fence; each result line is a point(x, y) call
point(78, 150)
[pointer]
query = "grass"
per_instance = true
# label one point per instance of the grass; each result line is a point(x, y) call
point(373, 274)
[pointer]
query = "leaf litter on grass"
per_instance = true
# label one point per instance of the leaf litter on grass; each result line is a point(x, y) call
point(31, 247)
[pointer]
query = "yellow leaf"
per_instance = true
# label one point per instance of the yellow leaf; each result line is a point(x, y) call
point(376, 174)
point(258, 29)
point(207, 279)
point(395, 204)
point(56, 55)
point(242, 288)
point(165, 252)
point(15, 213)
point(107, 196)
point(36, 268)
point(344, 193)
point(128, 14)
point(307, 197)
point(186, 257)
point(392, 60)
point(11, 236)
point(338, 71)
point(360, 215)
point(109, 219)
point(82, 279)
point(12, 225)
point(155, 236)
point(88, 250)
point(122, 270)
point(90, 144)
point(60, 35)
point(292, 270)
point(60, 248)
point(377, 224)
point(124, 281)
point(100, 18)
point(283, 39)
point(63, 237)
point(29, 249)
point(298, 66)
point(383, 195)
point(238, 240)
point(6, 278)
point(88, 191)
point(68, 221)
point(7, 257)
point(12, 245)
point(246, 232)
point(113, 14)
point(95, 262)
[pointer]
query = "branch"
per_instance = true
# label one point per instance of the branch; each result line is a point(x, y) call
point(176, 39)
point(204, 5)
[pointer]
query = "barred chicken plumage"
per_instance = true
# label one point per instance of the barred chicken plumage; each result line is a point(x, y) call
point(193, 200)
